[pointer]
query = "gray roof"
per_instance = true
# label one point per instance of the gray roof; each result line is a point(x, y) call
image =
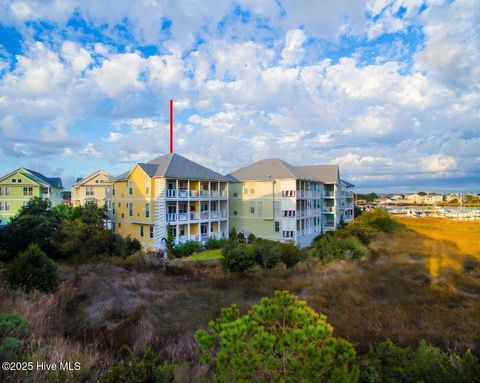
point(348, 184)
point(323, 173)
point(176, 166)
point(268, 169)
point(52, 181)
point(121, 177)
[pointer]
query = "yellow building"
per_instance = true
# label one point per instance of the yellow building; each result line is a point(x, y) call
point(275, 200)
point(169, 191)
point(90, 189)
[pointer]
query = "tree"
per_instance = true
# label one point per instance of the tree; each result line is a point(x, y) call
point(13, 329)
point(33, 270)
point(279, 340)
point(251, 238)
point(170, 242)
point(290, 254)
point(267, 253)
point(232, 236)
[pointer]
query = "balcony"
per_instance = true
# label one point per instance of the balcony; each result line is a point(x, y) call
point(301, 194)
point(214, 215)
point(328, 209)
point(171, 217)
point(183, 216)
point(329, 194)
point(204, 215)
point(328, 224)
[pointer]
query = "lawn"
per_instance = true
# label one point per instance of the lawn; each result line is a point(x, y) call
point(207, 255)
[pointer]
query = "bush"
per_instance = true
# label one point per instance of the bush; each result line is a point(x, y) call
point(32, 269)
point(335, 245)
point(267, 253)
point(214, 243)
point(251, 238)
point(133, 245)
point(390, 363)
point(238, 257)
point(148, 368)
point(13, 330)
point(186, 249)
point(241, 237)
point(279, 340)
point(369, 223)
point(232, 236)
point(290, 254)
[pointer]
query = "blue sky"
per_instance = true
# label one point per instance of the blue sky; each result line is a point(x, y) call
point(390, 90)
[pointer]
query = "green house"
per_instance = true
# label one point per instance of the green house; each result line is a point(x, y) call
point(18, 186)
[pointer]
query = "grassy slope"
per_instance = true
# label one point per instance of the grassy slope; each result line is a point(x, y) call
point(394, 294)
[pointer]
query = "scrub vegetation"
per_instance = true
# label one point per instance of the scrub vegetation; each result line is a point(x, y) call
point(406, 302)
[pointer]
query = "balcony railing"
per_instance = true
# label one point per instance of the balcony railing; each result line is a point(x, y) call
point(171, 217)
point(329, 194)
point(185, 193)
point(204, 215)
point(183, 216)
point(214, 214)
point(328, 209)
point(329, 224)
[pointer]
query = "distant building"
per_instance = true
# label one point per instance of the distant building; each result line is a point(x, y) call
point(20, 185)
point(90, 189)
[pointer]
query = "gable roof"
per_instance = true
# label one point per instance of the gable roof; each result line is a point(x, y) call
point(323, 173)
point(37, 177)
point(176, 166)
point(90, 176)
point(266, 170)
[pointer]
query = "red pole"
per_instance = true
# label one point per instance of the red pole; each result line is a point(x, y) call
point(171, 126)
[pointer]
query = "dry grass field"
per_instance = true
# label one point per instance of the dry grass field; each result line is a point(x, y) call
point(422, 282)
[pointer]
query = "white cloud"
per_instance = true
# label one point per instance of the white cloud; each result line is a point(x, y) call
point(293, 51)
point(78, 57)
point(438, 163)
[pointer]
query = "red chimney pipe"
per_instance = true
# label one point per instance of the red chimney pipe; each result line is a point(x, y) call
point(171, 126)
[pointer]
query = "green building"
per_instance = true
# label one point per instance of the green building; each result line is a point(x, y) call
point(18, 186)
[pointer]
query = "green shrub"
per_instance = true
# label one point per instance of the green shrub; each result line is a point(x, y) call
point(214, 243)
point(238, 257)
point(279, 340)
point(337, 245)
point(32, 269)
point(369, 223)
point(232, 236)
point(267, 253)
point(133, 245)
point(186, 249)
point(148, 368)
point(241, 237)
point(13, 330)
point(390, 363)
point(290, 254)
point(251, 238)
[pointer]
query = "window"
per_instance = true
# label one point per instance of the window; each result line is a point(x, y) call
point(113, 227)
point(141, 231)
point(4, 206)
point(252, 191)
point(130, 187)
point(27, 191)
point(119, 225)
point(4, 191)
point(113, 189)
point(97, 181)
point(288, 213)
point(130, 209)
point(151, 231)
point(288, 233)
point(252, 207)
point(245, 191)
point(147, 210)
point(19, 180)
point(113, 207)
point(235, 212)
point(235, 195)
point(89, 191)
point(276, 207)
point(14, 181)
point(260, 208)
point(212, 227)
point(277, 226)
point(147, 187)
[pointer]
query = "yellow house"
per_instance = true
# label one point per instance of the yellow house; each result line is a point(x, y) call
point(169, 191)
point(90, 189)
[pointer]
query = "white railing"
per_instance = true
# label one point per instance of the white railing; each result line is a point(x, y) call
point(214, 214)
point(204, 236)
point(183, 193)
point(224, 214)
point(328, 224)
point(329, 194)
point(193, 216)
point(183, 216)
point(300, 194)
point(204, 215)
point(171, 193)
point(171, 217)
point(214, 193)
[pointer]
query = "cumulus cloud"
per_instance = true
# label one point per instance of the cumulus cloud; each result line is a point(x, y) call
point(293, 51)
